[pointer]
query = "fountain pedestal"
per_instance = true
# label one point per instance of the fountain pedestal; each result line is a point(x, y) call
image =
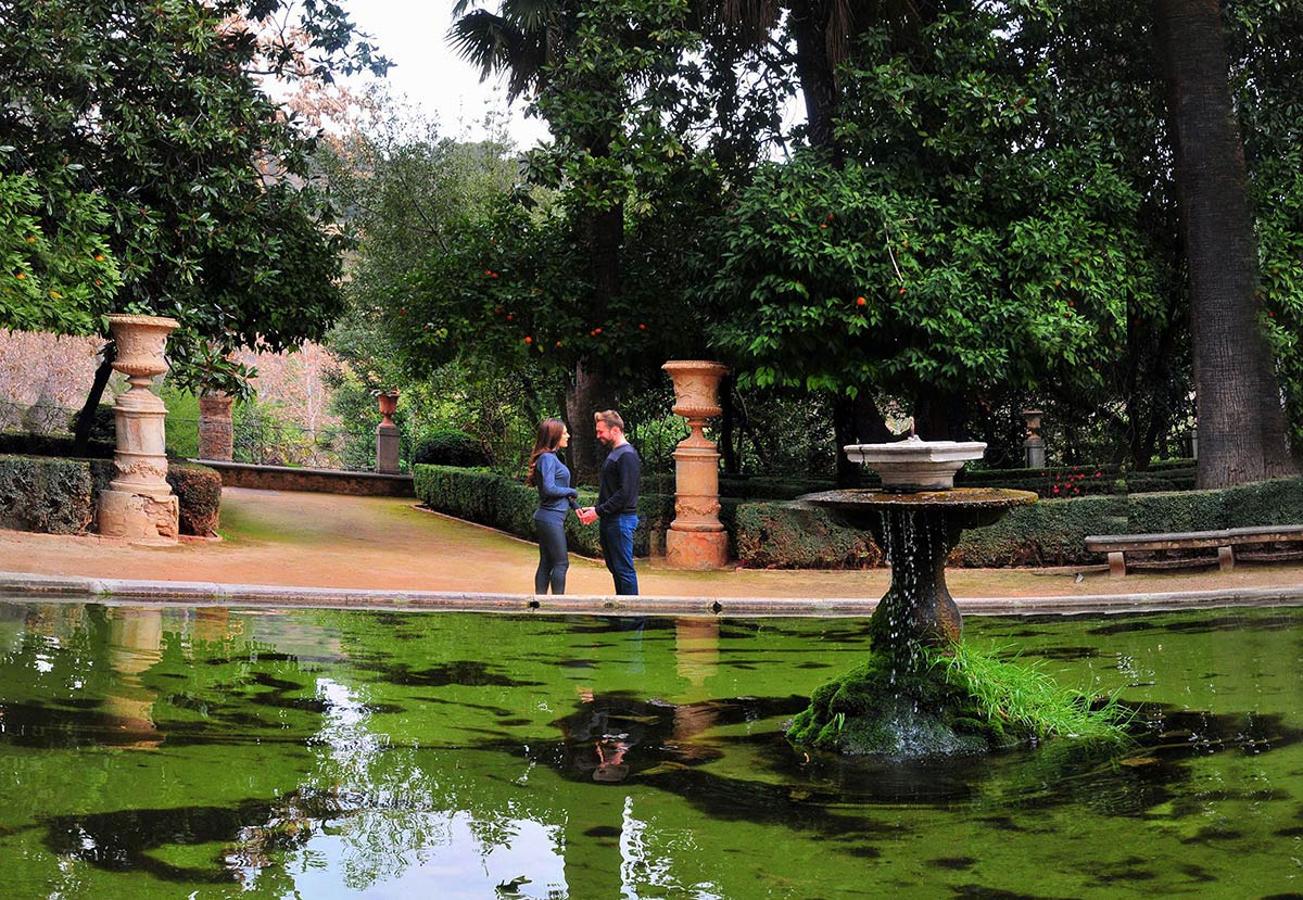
point(139, 504)
point(917, 531)
point(696, 539)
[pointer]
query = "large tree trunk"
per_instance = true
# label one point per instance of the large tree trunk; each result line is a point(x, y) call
point(587, 394)
point(810, 21)
point(940, 417)
point(1241, 423)
point(856, 421)
point(86, 416)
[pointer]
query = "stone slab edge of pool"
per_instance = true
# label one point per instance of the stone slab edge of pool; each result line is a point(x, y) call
point(20, 586)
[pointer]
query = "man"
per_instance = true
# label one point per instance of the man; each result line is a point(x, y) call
point(617, 501)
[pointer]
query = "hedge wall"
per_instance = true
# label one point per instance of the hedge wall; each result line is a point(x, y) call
point(49, 495)
point(790, 535)
point(54, 495)
point(199, 489)
point(1051, 532)
point(488, 498)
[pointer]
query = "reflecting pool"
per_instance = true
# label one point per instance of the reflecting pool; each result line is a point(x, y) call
point(169, 752)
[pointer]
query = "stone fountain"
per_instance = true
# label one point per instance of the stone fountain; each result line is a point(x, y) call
point(902, 702)
point(917, 518)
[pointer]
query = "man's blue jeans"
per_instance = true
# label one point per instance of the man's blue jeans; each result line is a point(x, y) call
point(616, 534)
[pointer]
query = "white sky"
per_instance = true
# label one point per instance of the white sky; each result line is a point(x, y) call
point(428, 73)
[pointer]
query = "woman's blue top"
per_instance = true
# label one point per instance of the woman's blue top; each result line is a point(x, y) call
point(555, 495)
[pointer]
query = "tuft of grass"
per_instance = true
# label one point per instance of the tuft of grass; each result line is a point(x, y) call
point(1021, 695)
point(948, 700)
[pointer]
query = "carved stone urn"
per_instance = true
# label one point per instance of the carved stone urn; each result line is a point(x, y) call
point(696, 539)
point(1034, 446)
point(139, 504)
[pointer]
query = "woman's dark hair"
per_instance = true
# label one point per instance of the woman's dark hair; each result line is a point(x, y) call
point(549, 436)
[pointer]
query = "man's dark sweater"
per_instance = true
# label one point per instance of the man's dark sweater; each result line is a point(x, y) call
point(617, 492)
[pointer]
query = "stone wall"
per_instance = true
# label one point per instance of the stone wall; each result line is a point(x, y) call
point(323, 481)
point(55, 372)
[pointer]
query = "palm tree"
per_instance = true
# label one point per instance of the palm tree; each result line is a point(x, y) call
point(522, 40)
point(1241, 423)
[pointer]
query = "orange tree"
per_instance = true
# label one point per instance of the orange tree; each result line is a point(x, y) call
point(955, 253)
point(208, 197)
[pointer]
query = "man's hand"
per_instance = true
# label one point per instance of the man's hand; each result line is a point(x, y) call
point(587, 515)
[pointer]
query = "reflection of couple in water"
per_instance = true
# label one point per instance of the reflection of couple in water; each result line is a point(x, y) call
point(615, 735)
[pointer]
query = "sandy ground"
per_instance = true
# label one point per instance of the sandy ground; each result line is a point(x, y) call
point(327, 540)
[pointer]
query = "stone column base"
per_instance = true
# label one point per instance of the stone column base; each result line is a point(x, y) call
point(696, 549)
point(387, 449)
point(139, 518)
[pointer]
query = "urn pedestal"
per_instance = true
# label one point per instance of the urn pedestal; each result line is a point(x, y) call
point(696, 539)
point(387, 438)
point(216, 436)
point(139, 504)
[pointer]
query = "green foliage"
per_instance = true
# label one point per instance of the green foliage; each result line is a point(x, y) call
point(1277, 502)
point(1048, 533)
point(52, 280)
point(951, 250)
point(143, 121)
point(448, 447)
point(27, 444)
point(1023, 697)
point(789, 536)
point(53, 494)
point(182, 422)
point(261, 433)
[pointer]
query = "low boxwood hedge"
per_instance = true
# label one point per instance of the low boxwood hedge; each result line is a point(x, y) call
point(199, 489)
point(794, 536)
point(55, 495)
point(489, 498)
point(448, 447)
point(1051, 532)
point(771, 534)
point(46, 494)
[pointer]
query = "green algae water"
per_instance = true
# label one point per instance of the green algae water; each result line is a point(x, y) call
point(170, 752)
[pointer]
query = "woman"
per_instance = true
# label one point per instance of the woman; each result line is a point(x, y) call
point(555, 496)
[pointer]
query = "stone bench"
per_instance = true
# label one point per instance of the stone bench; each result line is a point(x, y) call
point(1226, 540)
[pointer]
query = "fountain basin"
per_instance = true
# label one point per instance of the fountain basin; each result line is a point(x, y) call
point(914, 464)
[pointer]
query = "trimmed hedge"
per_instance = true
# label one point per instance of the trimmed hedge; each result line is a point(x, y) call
point(21, 443)
point(448, 447)
point(739, 487)
point(53, 495)
point(199, 489)
point(488, 498)
point(46, 494)
point(790, 535)
point(1049, 533)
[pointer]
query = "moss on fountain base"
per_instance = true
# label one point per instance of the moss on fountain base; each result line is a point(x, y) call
point(947, 701)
